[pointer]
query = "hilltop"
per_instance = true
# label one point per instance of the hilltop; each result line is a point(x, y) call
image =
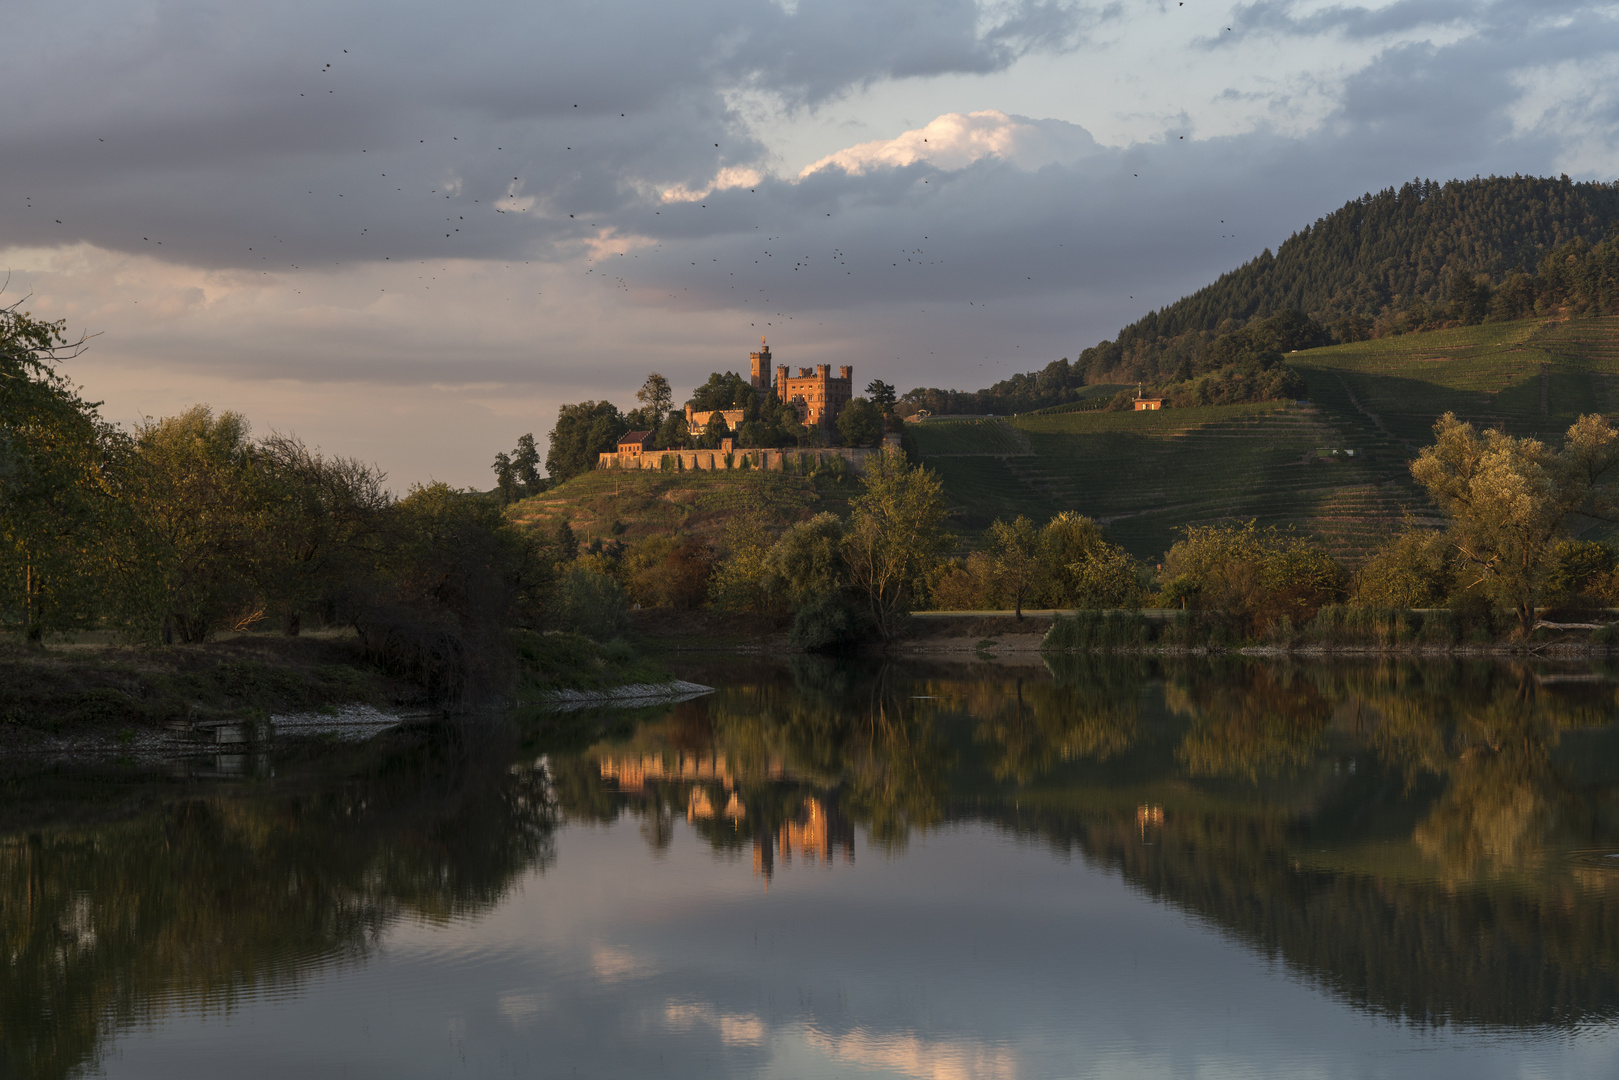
point(1405, 258)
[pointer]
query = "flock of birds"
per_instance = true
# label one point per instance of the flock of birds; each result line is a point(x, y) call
point(758, 274)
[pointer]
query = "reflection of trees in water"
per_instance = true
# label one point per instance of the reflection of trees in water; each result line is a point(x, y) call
point(1383, 828)
point(1421, 951)
point(198, 901)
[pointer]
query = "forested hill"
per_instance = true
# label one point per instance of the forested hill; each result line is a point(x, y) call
point(1383, 251)
point(1391, 262)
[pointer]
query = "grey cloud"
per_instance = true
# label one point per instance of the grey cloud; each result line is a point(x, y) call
point(211, 130)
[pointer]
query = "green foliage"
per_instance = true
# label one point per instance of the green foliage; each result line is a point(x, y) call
point(58, 467)
point(655, 397)
point(807, 562)
point(573, 661)
point(726, 390)
point(590, 603)
point(1097, 630)
point(1582, 572)
point(1414, 569)
point(860, 423)
point(517, 475)
point(667, 571)
point(582, 432)
point(1016, 548)
point(1511, 499)
point(1247, 578)
point(832, 622)
point(895, 538)
point(881, 395)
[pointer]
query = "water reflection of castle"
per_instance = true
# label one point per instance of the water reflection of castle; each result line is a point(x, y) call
point(812, 832)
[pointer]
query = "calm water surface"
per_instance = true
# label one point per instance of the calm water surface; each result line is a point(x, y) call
point(1112, 870)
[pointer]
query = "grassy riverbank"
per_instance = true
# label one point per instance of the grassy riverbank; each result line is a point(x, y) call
point(77, 687)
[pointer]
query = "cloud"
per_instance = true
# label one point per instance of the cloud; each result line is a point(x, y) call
point(502, 207)
point(954, 141)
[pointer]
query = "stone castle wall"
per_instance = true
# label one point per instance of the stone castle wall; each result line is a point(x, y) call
point(793, 459)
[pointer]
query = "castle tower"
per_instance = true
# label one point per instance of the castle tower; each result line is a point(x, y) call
point(759, 366)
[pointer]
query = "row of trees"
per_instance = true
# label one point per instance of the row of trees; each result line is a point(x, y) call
point(1513, 506)
point(189, 525)
point(847, 579)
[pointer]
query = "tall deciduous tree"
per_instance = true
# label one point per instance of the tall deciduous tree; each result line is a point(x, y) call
point(1016, 548)
point(201, 502)
point(656, 396)
point(895, 537)
point(58, 468)
point(1510, 500)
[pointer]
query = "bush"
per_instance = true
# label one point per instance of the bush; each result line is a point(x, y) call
point(590, 603)
point(1097, 630)
point(830, 623)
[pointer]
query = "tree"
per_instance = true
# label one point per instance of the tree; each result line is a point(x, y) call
point(1250, 577)
point(318, 530)
point(505, 478)
point(526, 466)
point(59, 464)
point(1016, 548)
point(895, 537)
point(859, 423)
point(1510, 500)
point(881, 395)
point(1080, 568)
point(808, 561)
point(722, 391)
point(1412, 570)
point(716, 430)
point(198, 496)
point(582, 432)
point(656, 395)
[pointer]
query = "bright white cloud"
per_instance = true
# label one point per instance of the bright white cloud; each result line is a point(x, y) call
point(954, 141)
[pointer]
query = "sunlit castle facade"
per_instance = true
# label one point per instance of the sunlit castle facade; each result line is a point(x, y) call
point(816, 393)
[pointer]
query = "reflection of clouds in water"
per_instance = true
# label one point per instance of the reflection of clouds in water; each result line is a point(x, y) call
point(615, 965)
point(904, 1054)
point(522, 1007)
point(735, 1029)
point(910, 1055)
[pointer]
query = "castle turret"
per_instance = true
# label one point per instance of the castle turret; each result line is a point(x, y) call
point(759, 365)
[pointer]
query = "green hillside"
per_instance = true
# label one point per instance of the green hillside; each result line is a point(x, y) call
point(1147, 474)
point(630, 506)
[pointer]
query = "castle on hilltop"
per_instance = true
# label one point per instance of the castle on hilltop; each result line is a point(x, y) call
point(815, 393)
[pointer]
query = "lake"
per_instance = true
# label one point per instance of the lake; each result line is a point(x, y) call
point(1108, 868)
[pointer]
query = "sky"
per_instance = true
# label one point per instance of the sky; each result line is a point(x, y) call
point(409, 232)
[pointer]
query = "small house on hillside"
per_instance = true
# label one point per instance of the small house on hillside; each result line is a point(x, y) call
point(1149, 404)
point(635, 442)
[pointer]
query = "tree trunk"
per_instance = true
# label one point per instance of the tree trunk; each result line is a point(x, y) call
point(33, 606)
point(1526, 617)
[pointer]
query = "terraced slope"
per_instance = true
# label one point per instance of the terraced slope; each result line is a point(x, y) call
point(631, 506)
point(1148, 474)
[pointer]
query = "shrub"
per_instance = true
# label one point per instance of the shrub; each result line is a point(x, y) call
point(832, 622)
point(590, 603)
